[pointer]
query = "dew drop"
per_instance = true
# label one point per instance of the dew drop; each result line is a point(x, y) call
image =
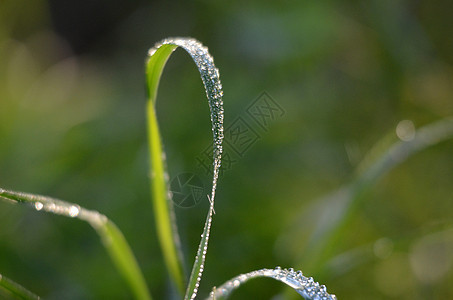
point(74, 211)
point(405, 130)
point(211, 81)
point(38, 206)
point(306, 287)
point(51, 207)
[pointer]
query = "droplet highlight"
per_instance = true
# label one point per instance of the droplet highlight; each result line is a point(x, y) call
point(38, 206)
point(73, 211)
point(405, 130)
point(305, 286)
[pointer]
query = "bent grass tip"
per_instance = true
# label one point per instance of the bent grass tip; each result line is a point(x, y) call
point(111, 237)
point(165, 221)
point(305, 286)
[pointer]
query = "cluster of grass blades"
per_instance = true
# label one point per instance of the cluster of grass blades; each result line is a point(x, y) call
point(327, 227)
point(112, 238)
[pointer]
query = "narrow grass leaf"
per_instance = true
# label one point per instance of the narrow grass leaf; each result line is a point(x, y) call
point(14, 290)
point(163, 206)
point(331, 214)
point(112, 238)
point(305, 286)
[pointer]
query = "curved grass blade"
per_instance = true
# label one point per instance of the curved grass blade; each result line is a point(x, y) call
point(112, 238)
point(305, 286)
point(163, 207)
point(329, 224)
point(15, 290)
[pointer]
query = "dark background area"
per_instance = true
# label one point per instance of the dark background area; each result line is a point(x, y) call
point(72, 126)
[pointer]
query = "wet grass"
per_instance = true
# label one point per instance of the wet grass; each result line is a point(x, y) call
point(328, 219)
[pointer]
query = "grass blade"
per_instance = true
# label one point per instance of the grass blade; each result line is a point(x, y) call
point(15, 290)
point(112, 238)
point(163, 208)
point(161, 198)
point(329, 223)
point(121, 254)
point(305, 286)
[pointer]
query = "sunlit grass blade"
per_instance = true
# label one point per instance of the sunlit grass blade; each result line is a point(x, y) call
point(112, 238)
point(200, 258)
point(305, 286)
point(330, 216)
point(161, 198)
point(121, 254)
point(12, 290)
point(163, 209)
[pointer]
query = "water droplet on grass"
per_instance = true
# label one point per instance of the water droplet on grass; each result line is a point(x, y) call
point(38, 206)
point(405, 130)
point(211, 81)
point(306, 287)
point(73, 211)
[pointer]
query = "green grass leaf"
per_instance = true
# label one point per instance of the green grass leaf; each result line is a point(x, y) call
point(163, 206)
point(304, 286)
point(12, 290)
point(112, 238)
point(330, 216)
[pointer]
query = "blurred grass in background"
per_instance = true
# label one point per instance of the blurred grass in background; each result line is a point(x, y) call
point(72, 125)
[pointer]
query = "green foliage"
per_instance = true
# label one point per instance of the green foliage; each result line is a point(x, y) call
point(163, 209)
point(112, 238)
point(162, 203)
point(329, 227)
point(11, 289)
point(73, 126)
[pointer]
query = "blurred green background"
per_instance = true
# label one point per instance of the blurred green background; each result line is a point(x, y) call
point(72, 126)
